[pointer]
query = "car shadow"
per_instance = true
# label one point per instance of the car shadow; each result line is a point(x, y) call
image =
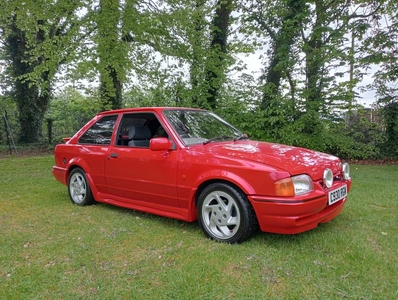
point(272, 240)
point(164, 221)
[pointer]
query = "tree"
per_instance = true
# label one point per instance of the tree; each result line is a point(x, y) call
point(181, 34)
point(36, 40)
point(108, 40)
point(282, 22)
point(207, 51)
point(381, 48)
point(325, 48)
point(390, 113)
point(69, 110)
point(112, 40)
point(215, 63)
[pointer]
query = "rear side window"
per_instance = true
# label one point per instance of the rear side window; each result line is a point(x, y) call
point(101, 132)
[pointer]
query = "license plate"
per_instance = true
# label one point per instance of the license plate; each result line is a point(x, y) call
point(337, 194)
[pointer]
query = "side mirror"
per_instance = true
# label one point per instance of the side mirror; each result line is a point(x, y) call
point(160, 144)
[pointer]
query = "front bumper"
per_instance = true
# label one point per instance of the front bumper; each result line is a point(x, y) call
point(291, 216)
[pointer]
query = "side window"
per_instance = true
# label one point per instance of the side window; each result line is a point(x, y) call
point(100, 133)
point(129, 121)
point(136, 129)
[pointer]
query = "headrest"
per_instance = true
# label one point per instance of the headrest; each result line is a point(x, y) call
point(139, 133)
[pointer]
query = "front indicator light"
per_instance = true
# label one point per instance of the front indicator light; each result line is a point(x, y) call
point(284, 188)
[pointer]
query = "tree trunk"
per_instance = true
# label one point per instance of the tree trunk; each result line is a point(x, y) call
point(111, 89)
point(31, 101)
point(109, 55)
point(281, 52)
point(314, 59)
point(215, 65)
point(196, 66)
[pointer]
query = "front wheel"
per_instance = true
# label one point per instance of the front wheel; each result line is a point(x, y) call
point(225, 214)
point(79, 188)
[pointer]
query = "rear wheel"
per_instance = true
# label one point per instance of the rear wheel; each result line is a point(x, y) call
point(225, 214)
point(79, 188)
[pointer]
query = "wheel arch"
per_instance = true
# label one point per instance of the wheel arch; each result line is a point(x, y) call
point(226, 177)
point(80, 163)
point(71, 168)
point(232, 183)
point(76, 163)
point(86, 182)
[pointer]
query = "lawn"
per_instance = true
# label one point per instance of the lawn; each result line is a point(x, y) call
point(51, 249)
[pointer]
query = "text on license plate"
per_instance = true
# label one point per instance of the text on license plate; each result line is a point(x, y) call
point(337, 194)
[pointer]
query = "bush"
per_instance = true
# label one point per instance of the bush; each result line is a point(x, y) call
point(68, 112)
point(358, 140)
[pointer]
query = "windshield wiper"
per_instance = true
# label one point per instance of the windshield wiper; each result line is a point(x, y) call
point(216, 138)
point(242, 137)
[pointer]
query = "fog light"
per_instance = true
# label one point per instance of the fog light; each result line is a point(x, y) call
point(328, 178)
point(346, 171)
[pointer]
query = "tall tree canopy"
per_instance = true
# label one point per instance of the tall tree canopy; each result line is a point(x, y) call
point(174, 52)
point(36, 39)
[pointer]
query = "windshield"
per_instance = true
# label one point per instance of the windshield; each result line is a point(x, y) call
point(201, 127)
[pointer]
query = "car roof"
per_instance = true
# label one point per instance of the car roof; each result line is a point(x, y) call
point(140, 109)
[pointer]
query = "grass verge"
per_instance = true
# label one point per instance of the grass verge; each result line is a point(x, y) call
point(50, 248)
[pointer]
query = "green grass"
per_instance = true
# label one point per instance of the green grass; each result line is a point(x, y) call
point(51, 249)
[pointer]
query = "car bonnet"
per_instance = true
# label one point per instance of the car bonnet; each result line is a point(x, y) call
point(292, 159)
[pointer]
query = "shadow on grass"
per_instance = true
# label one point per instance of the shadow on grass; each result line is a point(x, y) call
point(164, 221)
point(270, 239)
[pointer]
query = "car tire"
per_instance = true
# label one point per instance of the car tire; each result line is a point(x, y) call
point(79, 188)
point(225, 214)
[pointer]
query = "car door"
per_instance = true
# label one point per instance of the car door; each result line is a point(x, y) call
point(138, 174)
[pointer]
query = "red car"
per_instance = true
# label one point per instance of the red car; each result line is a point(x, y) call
point(189, 164)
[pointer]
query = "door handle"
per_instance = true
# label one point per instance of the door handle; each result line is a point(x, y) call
point(113, 155)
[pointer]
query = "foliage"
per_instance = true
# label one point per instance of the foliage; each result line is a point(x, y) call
point(36, 40)
point(69, 111)
point(8, 109)
point(390, 113)
point(188, 53)
point(381, 48)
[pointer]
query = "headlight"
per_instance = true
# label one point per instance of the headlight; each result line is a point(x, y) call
point(294, 186)
point(328, 178)
point(302, 184)
point(346, 171)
